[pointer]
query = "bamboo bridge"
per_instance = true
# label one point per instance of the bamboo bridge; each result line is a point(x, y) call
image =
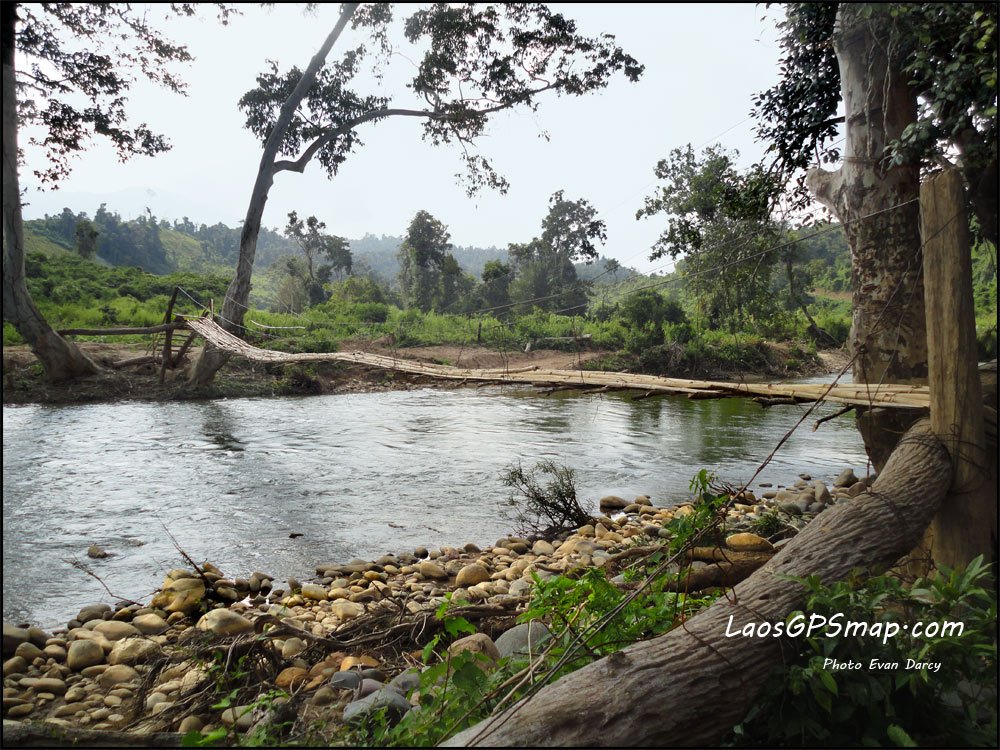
point(857, 394)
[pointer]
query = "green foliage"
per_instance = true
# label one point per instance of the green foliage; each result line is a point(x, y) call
point(808, 704)
point(542, 510)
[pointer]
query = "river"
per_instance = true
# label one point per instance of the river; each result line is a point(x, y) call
point(357, 475)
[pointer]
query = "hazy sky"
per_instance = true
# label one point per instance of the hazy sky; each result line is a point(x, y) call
point(703, 65)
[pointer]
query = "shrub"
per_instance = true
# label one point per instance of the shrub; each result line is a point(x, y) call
point(542, 510)
point(806, 703)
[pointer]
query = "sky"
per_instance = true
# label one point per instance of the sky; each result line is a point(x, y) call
point(703, 64)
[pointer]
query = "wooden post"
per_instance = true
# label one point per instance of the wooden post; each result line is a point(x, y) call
point(167, 356)
point(965, 525)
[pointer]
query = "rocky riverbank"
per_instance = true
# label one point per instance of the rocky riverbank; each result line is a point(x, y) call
point(345, 644)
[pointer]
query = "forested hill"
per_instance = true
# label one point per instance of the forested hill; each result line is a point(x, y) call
point(160, 246)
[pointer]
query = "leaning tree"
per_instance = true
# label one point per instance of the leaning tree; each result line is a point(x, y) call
point(474, 60)
point(81, 59)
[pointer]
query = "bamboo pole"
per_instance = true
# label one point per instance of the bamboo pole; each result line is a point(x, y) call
point(121, 331)
point(966, 524)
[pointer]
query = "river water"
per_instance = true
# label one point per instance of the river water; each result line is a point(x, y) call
point(357, 475)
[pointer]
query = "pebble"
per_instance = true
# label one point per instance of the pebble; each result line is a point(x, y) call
point(224, 622)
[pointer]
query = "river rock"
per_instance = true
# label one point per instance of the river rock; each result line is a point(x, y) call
point(13, 637)
point(405, 681)
point(180, 595)
point(431, 570)
point(846, 478)
point(83, 654)
point(747, 542)
point(791, 509)
point(240, 718)
point(477, 643)
point(542, 547)
point(347, 610)
point(856, 489)
point(519, 639)
point(314, 592)
point(28, 651)
point(821, 493)
point(116, 675)
point(350, 662)
point(96, 552)
point(346, 680)
point(49, 685)
point(134, 651)
point(612, 502)
point(149, 624)
point(14, 665)
point(114, 630)
point(291, 677)
point(472, 574)
point(394, 703)
point(224, 622)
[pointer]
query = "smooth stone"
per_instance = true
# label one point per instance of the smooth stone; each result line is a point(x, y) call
point(292, 648)
point(350, 662)
point(291, 677)
point(612, 502)
point(394, 703)
point(346, 609)
point(477, 643)
point(791, 509)
point(28, 651)
point(49, 685)
point(55, 652)
point(83, 654)
point(369, 686)
point(431, 570)
point(15, 665)
point(17, 711)
point(13, 637)
point(346, 680)
point(92, 612)
point(190, 724)
point(821, 493)
point(472, 574)
point(224, 622)
point(116, 675)
point(134, 651)
point(747, 542)
point(846, 478)
point(180, 595)
point(542, 547)
point(405, 681)
point(96, 552)
point(314, 591)
point(522, 638)
point(240, 717)
point(520, 586)
point(149, 624)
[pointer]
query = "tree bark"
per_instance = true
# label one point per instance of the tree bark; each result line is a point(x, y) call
point(691, 685)
point(238, 293)
point(61, 359)
point(877, 204)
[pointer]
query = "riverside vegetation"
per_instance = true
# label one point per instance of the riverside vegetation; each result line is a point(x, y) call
point(410, 648)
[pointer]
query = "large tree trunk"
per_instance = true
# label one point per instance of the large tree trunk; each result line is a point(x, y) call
point(238, 294)
point(877, 204)
point(690, 686)
point(61, 359)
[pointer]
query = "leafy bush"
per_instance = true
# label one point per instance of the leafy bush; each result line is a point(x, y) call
point(807, 703)
point(542, 510)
